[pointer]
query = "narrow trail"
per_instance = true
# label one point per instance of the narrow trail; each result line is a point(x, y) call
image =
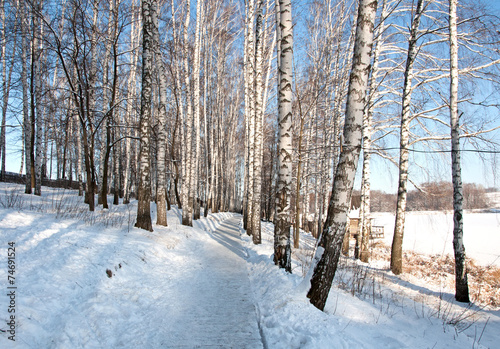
point(93, 286)
point(217, 311)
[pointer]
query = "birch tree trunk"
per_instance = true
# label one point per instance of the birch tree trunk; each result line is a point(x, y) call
point(161, 207)
point(144, 189)
point(461, 283)
point(208, 151)
point(187, 197)
point(131, 92)
point(250, 112)
point(6, 85)
point(197, 111)
point(397, 240)
point(259, 114)
point(37, 95)
point(282, 249)
point(79, 168)
point(330, 245)
point(107, 104)
point(364, 212)
point(26, 115)
point(179, 122)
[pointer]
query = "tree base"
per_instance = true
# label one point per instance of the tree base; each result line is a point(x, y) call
point(144, 222)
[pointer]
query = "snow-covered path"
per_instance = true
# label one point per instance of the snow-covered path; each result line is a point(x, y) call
point(212, 306)
point(176, 287)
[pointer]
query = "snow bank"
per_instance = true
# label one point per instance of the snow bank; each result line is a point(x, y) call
point(388, 319)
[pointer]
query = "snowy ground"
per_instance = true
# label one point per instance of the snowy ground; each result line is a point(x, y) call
point(368, 307)
point(432, 233)
point(177, 287)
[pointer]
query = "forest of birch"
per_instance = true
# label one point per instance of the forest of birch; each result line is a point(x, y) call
point(275, 109)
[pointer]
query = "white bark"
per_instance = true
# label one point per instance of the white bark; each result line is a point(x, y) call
point(144, 189)
point(129, 115)
point(197, 111)
point(37, 55)
point(26, 116)
point(259, 115)
point(161, 204)
point(333, 233)
point(187, 195)
point(282, 249)
point(461, 283)
point(397, 241)
point(6, 85)
point(250, 110)
point(105, 109)
point(372, 94)
point(79, 167)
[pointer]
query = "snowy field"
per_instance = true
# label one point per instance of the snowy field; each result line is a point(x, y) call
point(432, 233)
point(65, 297)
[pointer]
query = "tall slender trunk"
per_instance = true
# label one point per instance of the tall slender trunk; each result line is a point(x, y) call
point(461, 283)
point(250, 111)
point(282, 249)
point(116, 167)
point(107, 105)
point(161, 208)
point(397, 241)
point(296, 227)
point(129, 120)
point(364, 212)
point(208, 151)
point(26, 115)
point(197, 110)
point(37, 120)
point(79, 169)
point(187, 195)
point(259, 115)
point(6, 85)
point(144, 189)
point(329, 247)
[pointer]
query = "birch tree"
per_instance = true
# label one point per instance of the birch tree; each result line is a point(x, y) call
point(330, 243)
point(249, 65)
point(24, 77)
point(259, 114)
point(6, 81)
point(109, 97)
point(187, 196)
point(193, 199)
point(282, 249)
point(364, 210)
point(161, 189)
point(144, 189)
point(461, 284)
point(36, 96)
point(131, 92)
point(397, 241)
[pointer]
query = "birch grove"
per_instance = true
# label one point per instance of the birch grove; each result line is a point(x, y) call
point(253, 107)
